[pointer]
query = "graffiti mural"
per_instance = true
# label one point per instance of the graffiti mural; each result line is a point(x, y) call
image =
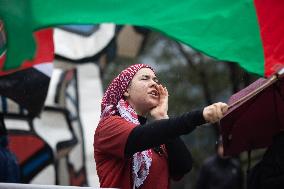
point(53, 140)
point(50, 111)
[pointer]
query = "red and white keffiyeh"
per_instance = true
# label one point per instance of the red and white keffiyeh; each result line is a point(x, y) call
point(114, 104)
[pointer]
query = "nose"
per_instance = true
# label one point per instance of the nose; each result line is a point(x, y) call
point(153, 83)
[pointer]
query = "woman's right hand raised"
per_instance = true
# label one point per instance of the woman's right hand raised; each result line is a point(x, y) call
point(161, 110)
point(215, 112)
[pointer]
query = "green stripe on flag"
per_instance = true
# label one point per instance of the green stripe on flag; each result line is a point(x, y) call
point(18, 23)
point(224, 29)
point(2, 49)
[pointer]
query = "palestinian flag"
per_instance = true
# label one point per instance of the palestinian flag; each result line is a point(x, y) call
point(29, 85)
point(44, 51)
point(244, 31)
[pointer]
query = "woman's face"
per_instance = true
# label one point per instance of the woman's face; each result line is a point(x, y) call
point(142, 93)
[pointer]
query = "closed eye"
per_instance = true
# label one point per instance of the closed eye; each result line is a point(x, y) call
point(146, 77)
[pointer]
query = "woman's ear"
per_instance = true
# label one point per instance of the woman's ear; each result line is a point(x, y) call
point(126, 94)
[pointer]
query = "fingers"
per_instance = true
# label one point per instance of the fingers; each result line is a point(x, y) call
point(221, 109)
point(163, 95)
point(218, 112)
point(208, 113)
point(162, 90)
point(165, 91)
point(215, 112)
point(224, 108)
point(161, 110)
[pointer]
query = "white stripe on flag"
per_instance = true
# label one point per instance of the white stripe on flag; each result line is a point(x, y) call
point(45, 68)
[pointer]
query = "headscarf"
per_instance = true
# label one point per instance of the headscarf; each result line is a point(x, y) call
point(114, 104)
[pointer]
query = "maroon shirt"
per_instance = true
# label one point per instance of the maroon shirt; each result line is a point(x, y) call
point(113, 168)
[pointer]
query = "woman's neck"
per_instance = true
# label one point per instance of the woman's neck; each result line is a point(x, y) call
point(138, 111)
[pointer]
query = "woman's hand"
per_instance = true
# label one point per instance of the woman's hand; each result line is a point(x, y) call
point(215, 112)
point(161, 110)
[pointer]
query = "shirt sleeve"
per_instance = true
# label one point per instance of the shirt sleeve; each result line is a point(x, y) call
point(179, 158)
point(162, 131)
point(111, 136)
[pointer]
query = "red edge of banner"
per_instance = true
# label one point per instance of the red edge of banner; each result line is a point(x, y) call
point(270, 18)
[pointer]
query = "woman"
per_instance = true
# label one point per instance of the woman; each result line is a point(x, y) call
point(131, 153)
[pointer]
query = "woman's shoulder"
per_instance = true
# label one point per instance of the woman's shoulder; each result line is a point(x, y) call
point(113, 128)
point(110, 119)
point(113, 122)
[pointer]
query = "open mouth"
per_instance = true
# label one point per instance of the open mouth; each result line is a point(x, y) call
point(154, 93)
